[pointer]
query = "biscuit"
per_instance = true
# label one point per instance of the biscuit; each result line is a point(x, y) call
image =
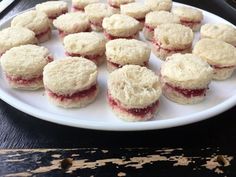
point(135, 10)
point(79, 5)
point(120, 26)
point(189, 17)
point(159, 5)
point(185, 78)
point(133, 93)
point(122, 52)
point(71, 82)
point(36, 21)
point(73, 22)
point(102, 10)
point(220, 55)
point(156, 18)
point(172, 38)
point(23, 66)
point(223, 32)
point(90, 45)
point(15, 36)
point(53, 9)
point(117, 3)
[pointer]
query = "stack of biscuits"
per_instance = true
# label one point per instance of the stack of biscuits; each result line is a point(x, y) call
point(93, 33)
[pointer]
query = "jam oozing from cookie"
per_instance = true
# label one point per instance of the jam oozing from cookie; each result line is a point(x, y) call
point(222, 67)
point(40, 35)
point(188, 92)
point(140, 112)
point(78, 95)
point(23, 81)
point(190, 24)
point(90, 57)
point(158, 46)
point(111, 37)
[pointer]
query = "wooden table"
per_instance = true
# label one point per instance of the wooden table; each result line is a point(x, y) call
point(30, 146)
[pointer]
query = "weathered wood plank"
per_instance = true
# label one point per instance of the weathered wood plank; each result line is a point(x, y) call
point(120, 162)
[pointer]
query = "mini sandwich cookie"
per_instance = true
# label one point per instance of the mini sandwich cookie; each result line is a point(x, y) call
point(223, 32)
point(122, 52)
point(36, 21)
point(53, 9)
point(189, 17)
point(79, 5)
point(120, 26)
point(23, 66)
point(185, 78)
point(90, 45)
point(135, 10)
point(220, 55)
point(15, 36)
point(155, 19)
point(158, 5)
point(117, 3)
point(172, 38)
point(71, 82)
point(70, 23)
point(102, 10)
point(133, 93)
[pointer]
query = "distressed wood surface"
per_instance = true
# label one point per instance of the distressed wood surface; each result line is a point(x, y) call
point(131, 162)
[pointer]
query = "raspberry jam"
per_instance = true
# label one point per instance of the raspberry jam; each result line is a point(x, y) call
point(90, 57)
point(149, 28)
point(188, 92)
point(140, 112)
point(77, 95)
point(158, 46)
point(53, 17)
point(222, 67)
point(116, 65)
point(22, 81)
point(111, 37)
point(189, 23)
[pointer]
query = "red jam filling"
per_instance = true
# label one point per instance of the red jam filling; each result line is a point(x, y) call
point(189, 23)
point(77, 95)
point(90, 57)
point(39, 35)
point(22, 81)
point(113, 5)
point(110, 37)
point(149, 28)
point(99, 24)
point(116, 65)
point(76, 9)
point(158, 46)
point(140, 112)
point(62, 33)
point(222, 67)
point(188, 92)
point(53, 17)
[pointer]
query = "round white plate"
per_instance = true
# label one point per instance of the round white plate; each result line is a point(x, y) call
point(98, 115)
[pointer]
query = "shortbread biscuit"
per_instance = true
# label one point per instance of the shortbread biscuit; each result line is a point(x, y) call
point(158, 5)
point(79, 5)
point(23, 66)
point(122, 52)
point(220, 55)
point(71, 82)
point(134, 92)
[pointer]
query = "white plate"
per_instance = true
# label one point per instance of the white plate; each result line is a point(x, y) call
point(220, 97)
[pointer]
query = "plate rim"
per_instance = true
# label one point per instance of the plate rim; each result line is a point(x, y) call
point(127, 126)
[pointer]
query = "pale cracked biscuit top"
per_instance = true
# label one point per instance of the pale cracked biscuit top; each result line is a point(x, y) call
point(135, 10)
point(188, 13)
point(36, 21)
point(134, 86)
point(127, 51)
point(52, 7)
point(156, 18)
point(120, 25)
point(83, 3)
point(25, 61)
point(69, 75)
point(70, 22)
point(186, 71)
point(157, 5)
point(15, 36)
point(216, 52)
point(102, 10)
point(219, 31)
point(174, 36)
point(86, 43)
